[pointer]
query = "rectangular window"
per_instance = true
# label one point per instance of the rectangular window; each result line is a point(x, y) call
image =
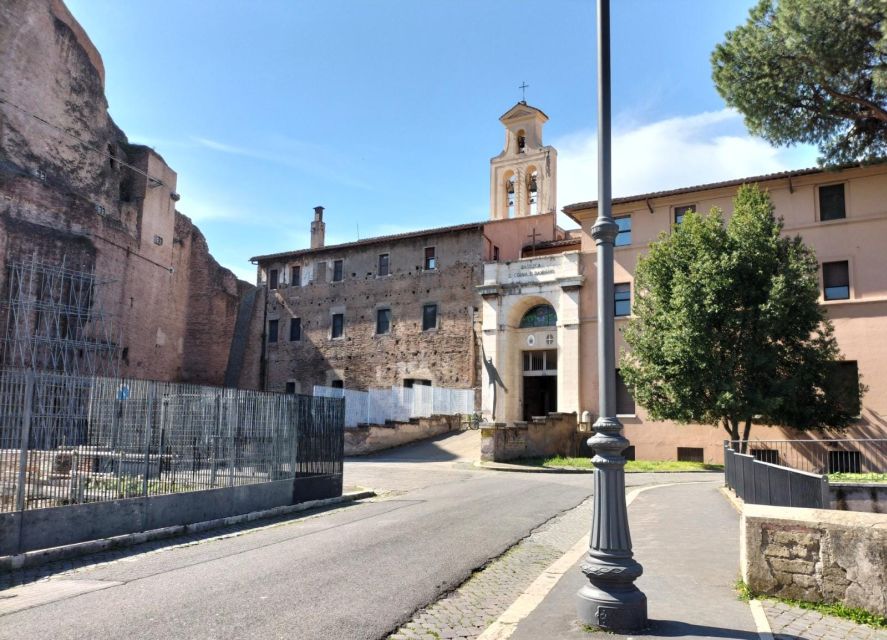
point(691, 454)
point(495, 253)
point(295, 329)
point(383, 264)
point(338, 328)
point(844, 462)
point(679, 212)
point(622, 299)
point(843, 381)
point(338, 274)
point(624, 402)
point(296, 276)
point(831, 202)
point(430, 259)
point(628, 452)
point(337, 384)
point(290, 387)
point(623, 238)
point(272, 279)
point(766, 455)
point(383, 321)
point(272, 330)
point(540, 361)
point(320, 272)
point(429, 317)
point(409, 383)
point(836, 280)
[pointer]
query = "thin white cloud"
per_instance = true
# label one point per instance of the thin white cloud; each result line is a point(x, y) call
point(311, 159)
point(669, 154)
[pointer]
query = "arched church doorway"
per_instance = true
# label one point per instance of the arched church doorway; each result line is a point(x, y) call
point(539, 360)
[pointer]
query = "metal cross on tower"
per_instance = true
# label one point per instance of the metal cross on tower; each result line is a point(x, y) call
point(523, 88)
point(532, 237)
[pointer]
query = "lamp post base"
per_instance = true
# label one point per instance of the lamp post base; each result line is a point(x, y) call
point(623, 610)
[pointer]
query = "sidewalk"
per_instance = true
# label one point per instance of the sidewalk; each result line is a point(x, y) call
point(686, 538)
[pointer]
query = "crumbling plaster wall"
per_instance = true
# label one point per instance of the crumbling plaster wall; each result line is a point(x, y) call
point(816, 555)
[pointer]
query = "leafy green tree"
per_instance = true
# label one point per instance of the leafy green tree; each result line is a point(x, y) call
point(727, 328)
point(811, 71)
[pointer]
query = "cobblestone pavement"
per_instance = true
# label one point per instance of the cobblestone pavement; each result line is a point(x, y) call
point(479, 601)
point(793, 623)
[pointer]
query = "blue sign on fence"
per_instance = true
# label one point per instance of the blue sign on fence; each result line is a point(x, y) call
point(123, 392)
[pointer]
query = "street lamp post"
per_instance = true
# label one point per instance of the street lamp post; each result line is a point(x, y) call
point(610, 600)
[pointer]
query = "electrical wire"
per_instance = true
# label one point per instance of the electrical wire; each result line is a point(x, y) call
point(151, 178)
point(21, 109)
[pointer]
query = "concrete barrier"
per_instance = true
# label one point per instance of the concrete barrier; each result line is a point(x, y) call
point(816, 555)
point(869, 498)
point(22, 531)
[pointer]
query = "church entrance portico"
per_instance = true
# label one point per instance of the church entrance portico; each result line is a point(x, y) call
point(531, 337)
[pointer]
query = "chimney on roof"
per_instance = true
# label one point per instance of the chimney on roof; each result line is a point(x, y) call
point(318, 229)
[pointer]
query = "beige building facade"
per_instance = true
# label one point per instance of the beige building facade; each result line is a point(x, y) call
point(842, 215)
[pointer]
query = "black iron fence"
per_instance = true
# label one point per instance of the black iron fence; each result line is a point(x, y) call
point(822, 456)
point(759, 482)
point(76, 439)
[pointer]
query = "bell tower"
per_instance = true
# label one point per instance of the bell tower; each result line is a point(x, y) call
point(523, 177)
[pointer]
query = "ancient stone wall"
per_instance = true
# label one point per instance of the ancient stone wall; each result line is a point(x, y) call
point(72, 187)
point(816, 555)
point(361, 358)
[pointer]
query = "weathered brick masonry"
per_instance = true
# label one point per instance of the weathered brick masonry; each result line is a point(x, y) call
point(444, 355)
point(66, 193)
point(447, 355)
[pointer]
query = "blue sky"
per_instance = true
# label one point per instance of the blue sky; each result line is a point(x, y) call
point(386, 112)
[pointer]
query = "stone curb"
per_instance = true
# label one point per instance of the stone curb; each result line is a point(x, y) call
point(500, 466)
point(44, 556)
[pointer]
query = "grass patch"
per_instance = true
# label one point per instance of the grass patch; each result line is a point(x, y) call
point(632, 466)
point(858, 477)
point(836, 609)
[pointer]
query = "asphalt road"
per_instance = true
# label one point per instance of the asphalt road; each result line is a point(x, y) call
point(356, 572)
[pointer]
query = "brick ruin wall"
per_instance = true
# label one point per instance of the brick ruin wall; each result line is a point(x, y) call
point(446, 356)
point(173, 305)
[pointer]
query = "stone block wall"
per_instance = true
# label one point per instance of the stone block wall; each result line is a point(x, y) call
point(371, 438)
point(816, 555)
point(550, 436)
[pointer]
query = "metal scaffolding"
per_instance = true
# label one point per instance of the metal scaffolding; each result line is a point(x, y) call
point(55, 323)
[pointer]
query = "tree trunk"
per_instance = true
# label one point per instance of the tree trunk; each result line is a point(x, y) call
point(731, 426)
point(746, 432)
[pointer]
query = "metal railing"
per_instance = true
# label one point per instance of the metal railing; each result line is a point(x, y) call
point(75, 439)
point(822, 456)
point(399, 404)
point(758, 482)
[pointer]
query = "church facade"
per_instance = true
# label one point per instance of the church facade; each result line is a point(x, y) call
point(508, 306)
point(403, 310)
